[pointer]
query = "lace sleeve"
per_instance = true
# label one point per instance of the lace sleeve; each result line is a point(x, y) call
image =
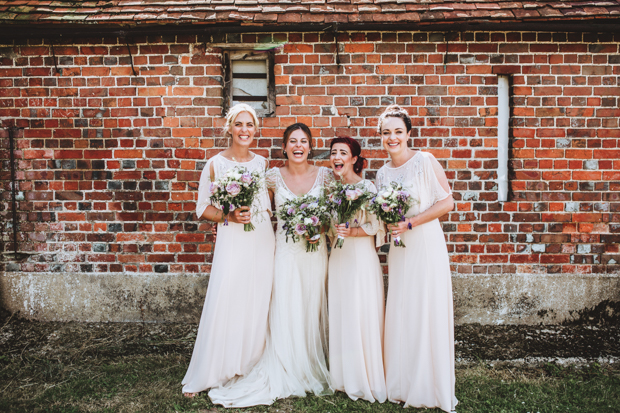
point(328, 177)
point(204, 189)
point(271, 177)
point(380, 180)
point(436, 192)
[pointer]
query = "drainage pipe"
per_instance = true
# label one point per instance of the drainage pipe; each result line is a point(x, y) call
point(503, 128)
point(12, 133)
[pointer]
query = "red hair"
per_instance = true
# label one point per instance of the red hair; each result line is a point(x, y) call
point(355, 148)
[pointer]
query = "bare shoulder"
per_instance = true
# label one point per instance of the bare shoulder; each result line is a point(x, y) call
point(212, 170)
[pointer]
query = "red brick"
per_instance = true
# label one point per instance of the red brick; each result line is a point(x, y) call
point(97, 126)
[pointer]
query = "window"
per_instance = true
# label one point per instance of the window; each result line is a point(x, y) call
point(249, 78)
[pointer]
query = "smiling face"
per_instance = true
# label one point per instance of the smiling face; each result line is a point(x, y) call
point(297, 147)
point(394, 135)
point(243, 129)
point(341, 159)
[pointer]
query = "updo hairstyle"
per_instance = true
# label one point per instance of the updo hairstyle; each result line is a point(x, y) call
point(355, 148)
point(395, 111)
point(234, 112)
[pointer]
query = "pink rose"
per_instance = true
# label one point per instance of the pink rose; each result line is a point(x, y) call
point(233, 188)
point(352, 194)
point(246, 178)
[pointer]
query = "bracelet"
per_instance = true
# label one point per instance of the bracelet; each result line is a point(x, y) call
point(223, 216)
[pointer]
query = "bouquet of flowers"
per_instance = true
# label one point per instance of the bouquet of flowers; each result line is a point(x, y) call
point(345, 200)
point(303, 217)
point(390, 205)
point(235, 189)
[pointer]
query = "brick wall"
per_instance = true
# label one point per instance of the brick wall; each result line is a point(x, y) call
point(108, 162)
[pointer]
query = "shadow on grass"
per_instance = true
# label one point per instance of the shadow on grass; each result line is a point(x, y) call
point(80, 367)
point(151, 383)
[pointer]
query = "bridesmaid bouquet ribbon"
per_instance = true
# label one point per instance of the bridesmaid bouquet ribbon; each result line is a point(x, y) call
point(390, 205)
point(303, 218)
point(345, 200)
point(237, 188)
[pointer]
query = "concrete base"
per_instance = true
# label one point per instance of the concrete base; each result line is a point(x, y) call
point(485, 299)
point(104, 297)
point(536, 298)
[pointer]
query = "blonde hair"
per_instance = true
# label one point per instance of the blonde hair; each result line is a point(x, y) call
point(235, 111)
point(394, 111)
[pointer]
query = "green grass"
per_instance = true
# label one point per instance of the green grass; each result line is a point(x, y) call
point(151, 383)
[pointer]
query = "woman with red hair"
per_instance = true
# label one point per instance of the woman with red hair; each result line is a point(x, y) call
point(356, 304)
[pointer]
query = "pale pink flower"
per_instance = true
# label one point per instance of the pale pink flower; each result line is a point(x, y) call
point(233, 188)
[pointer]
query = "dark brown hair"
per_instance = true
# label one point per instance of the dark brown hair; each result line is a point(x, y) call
point(355, 148)
point(287, 134)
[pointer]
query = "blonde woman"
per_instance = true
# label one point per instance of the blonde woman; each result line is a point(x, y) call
point(233, 326)
point(419, 320)
point(294, 359)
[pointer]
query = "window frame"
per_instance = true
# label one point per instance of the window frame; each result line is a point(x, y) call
point(231, 54)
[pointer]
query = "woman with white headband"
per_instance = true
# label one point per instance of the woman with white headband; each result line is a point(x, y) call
point(233, 326)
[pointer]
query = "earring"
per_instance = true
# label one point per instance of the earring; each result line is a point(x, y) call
point(284, 154)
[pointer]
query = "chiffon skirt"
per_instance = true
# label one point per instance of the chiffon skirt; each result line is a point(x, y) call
point(232, 331)
point(356, 311)
point(419, 321)
point(294, 359)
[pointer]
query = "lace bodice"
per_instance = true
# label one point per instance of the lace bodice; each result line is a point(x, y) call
point(220, 166)
point(418, 178)
point(282, 193)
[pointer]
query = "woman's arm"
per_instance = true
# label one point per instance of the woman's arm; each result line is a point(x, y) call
point(211, 213)
point(438, 209)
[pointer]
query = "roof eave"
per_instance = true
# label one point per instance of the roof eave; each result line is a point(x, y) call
point(16, 31)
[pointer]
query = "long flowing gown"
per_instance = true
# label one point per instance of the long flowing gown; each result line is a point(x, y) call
point(294, 359)
point(419, 320)
point(356, 312)
point(232, 331)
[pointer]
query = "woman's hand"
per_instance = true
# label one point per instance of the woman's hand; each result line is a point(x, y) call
point(397, 229)
point(343, 230)
point(311, 241)
point(240, 215)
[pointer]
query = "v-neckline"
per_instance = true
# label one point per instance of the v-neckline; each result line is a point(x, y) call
point(293, 193)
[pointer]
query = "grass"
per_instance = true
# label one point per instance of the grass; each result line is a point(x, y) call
point(150, 383)
point(129, 367)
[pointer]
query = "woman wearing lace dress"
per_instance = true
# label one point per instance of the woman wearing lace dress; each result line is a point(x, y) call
point(233, 325)
point(294, 359)
point(419, 321)
point(356, 306)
